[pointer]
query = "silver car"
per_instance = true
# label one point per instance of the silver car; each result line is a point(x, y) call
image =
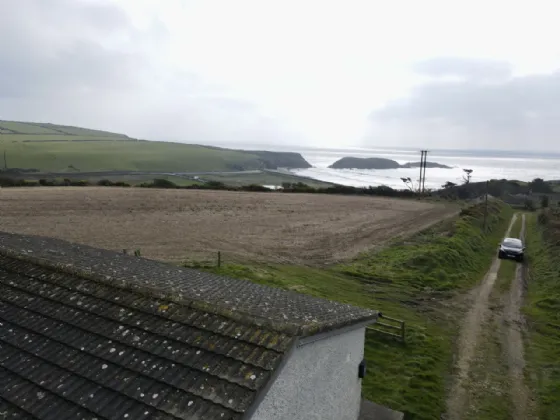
point(512, 248)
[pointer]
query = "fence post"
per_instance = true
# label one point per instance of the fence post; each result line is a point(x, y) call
point(402, 331)
point(219, 259)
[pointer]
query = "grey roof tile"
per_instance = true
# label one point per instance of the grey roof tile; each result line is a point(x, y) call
point(275, 309)
point(13, 412)
point(97, 334)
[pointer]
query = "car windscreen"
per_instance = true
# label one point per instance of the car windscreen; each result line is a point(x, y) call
point(512, 244)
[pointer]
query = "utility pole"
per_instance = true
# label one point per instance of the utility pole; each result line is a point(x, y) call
point(422, 180)
point(486, 206)
point(424, 175)
point(421, 165)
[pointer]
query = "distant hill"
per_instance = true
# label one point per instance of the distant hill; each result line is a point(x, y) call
point(274, 160)
point(364, 163)
point(58, 148)
point(428, 165)
point(48, 129)
point(379, 163)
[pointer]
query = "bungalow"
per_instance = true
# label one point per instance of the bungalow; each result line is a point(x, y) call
point(87, 333)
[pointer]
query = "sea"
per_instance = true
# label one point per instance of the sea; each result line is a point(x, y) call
point(485, 165)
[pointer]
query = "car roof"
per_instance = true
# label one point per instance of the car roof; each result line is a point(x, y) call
point(513, 240)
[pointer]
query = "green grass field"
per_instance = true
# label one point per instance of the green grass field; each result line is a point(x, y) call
point(60, 131)
point(412, 280)
point(542, 311)
point(55, 148)
point(124, 155)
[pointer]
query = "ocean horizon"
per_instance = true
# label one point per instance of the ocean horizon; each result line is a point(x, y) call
point(520, 165)
point(486, 165)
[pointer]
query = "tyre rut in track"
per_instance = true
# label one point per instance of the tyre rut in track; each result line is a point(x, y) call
point(470, 332)
point(513, 343)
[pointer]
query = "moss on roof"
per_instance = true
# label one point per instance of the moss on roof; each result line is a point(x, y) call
point(97, 334)
point(283, 311)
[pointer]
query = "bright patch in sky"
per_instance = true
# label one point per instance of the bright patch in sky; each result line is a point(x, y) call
point(437, 73)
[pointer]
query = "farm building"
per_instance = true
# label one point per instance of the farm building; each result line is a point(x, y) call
point(87, 333)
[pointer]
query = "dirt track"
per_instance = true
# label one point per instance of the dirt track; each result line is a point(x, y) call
point(177, 224)
point(490, 360)
point(513, 323)
point(469, 336)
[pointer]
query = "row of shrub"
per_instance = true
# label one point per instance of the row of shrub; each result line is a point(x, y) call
point(298, 187)
point(18, 170)
point(496, 188)
point(43, 182)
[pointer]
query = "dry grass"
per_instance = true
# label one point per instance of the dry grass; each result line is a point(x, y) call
point(174, 225)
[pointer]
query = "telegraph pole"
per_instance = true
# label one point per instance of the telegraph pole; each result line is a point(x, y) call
point(422, 181)
point(424, 175)
point(486, 206)
point(421, 165)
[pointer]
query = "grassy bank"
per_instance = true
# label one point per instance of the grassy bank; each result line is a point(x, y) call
point(412, 280)
point(439, 259)
point(543, 311)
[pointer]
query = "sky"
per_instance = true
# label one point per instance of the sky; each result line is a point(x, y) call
point(431, 74)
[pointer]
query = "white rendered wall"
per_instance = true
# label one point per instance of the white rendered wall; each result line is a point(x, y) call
point(319, 382)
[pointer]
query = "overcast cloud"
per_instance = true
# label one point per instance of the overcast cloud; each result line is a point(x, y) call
point(404, 73)
point(477, 103)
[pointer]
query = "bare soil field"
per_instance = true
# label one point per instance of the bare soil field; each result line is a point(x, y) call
point(175, 225)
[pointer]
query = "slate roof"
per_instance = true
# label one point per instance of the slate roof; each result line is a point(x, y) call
point(87, 333)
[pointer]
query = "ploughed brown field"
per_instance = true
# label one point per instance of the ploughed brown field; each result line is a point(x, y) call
point(176, 225)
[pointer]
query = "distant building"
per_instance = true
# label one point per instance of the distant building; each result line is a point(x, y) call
point(93, 334)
